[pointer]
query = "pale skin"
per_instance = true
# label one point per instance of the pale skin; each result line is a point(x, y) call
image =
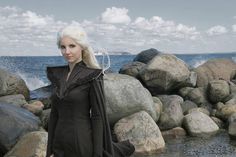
point(72, 52)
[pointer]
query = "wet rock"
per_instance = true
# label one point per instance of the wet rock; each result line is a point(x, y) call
point(44, 117)
point(142, 131)
point(225, 111)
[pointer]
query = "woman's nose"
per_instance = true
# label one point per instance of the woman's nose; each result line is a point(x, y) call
point(67, 50)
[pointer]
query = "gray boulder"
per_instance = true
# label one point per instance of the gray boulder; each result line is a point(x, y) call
point(218, 90)
point(132, 68)
point(125, 95)
point(17, 99)
point(142, 131)
point(199, 124)
point(214, 69)
point(15, 122)
point(172, 114)
point(146, 55)
point(11, 84)
point(164, 73)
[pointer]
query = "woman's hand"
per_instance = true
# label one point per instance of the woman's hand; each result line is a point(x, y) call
point(52, 155)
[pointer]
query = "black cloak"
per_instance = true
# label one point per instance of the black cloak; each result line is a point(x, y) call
point(81, 77)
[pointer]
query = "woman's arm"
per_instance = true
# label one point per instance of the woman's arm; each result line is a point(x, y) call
point(96, 96)
point(51, 128)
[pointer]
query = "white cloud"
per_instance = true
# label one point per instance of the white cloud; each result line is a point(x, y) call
point(28, 33)
point(216, 30)
point(115, 15)
point(234, 28)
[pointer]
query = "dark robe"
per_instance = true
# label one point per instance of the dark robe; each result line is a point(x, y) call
point(78, 125)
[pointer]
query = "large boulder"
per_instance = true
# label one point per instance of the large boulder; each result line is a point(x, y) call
point(165, 73)
point(172, 114)
point(132, 68)
point(218, 90)
point(214, 69)
point(125, 95)
point(15, 122)
point(11, 84)
point(17, 99)
point(146, 55)
point(33, 144)
point(199, 124)
point(142, 131)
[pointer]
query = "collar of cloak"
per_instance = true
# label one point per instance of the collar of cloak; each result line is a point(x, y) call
point(80, 74)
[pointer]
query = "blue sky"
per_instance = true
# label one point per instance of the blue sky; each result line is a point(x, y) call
point(29, 27)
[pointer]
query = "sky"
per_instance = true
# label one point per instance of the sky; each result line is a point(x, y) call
point(29, 27)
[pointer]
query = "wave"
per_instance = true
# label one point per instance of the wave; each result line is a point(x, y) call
point(32, 82)
point(197, 63)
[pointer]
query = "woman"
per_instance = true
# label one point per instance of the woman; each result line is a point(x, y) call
point(78, 125)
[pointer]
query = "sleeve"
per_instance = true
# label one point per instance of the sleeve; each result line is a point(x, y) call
point(96, 99)
point(51, 128)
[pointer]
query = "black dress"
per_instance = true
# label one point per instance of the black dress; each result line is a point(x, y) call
point(78, 125)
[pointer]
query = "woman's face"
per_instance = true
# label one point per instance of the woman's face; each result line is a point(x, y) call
point(71, 51)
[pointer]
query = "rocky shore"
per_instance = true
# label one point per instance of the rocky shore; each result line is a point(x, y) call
point(152, 99)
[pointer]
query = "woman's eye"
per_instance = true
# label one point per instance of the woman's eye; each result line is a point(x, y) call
point(62, 47)
point(71, 46)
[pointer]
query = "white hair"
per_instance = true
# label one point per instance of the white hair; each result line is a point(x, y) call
point(78, 34)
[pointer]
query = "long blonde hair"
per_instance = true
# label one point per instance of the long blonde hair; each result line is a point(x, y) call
point(78, 34)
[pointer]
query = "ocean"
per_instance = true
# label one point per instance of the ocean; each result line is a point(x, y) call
point(32, 68)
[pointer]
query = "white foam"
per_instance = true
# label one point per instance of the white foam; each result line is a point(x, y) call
point(234, 59)
point(199, 62)
point(32, 82)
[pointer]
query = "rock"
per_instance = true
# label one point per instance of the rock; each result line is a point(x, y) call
point(15, 122)
point(200, 109)
point(172, 114)
point(199, 124)
point(183, 92)
point(125, 95)
point(42, 94)
point(146, 55)
point(11, 84)
point(219, 122)
point(32, 144)
point(35, 107)
point(142, 131)
point(18, 99)
point(232, 125)
point(132, 68)
point(197, 95)
point(214, 69)
point(177, 132)
point(225, 111)
point(164, 74)
point(157, 106)
point(44, 117)
point(187, 105)
point(218, 90)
